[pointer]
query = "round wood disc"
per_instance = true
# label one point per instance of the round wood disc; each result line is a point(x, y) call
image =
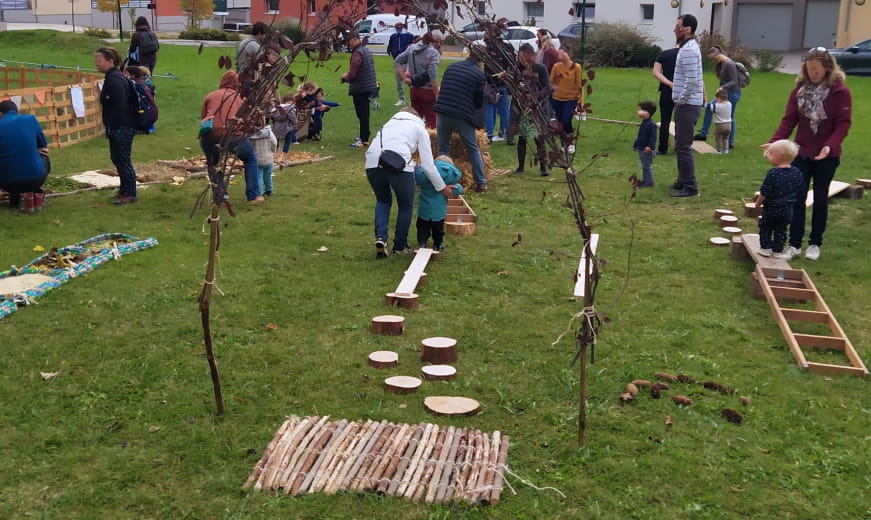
point(383, 359)
point(720, 241)
point(732, 230)
point(388, 324)
point(728, 220)
point(404, 300)
point(402, 384)
point(439, 350)
point(439, 372)
point(451, 405)
point(720, 212)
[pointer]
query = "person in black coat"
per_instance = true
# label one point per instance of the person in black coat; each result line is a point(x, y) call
point(536, 82)
point(645, 141)
point(138, 53)
point(116, 99)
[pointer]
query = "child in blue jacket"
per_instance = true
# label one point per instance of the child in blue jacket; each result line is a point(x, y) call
point(646, 141)
point(432, 206)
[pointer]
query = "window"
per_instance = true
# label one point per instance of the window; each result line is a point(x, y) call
point(482, 8)
point(647, 12)
point(580, 7)
point(271, 6)
point(312, 6)
point(533, 9)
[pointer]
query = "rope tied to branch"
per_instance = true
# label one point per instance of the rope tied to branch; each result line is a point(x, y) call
point(588, 313)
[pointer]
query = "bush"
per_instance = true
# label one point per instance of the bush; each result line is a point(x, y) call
point(739, 53)
point(96, 32)
point(768, 61)
point(198, 33)
point(619, 45)
point(291, 28)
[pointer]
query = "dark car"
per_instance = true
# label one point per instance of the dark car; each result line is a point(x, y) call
point(855, 59)
point(570, 37)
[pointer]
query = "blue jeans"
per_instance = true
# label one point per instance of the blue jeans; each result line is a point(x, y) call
point(646, 166)
point(382, 181)
point(503, 109)
point(289, 139)
point(400, 85)
point(821, 173)
point(564, 111)
point(706, 123)
point(265, 174)
point(445, 127)
point(245, 152)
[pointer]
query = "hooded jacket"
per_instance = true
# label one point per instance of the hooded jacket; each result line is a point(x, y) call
point(431, 204)
point(222, 105)
point(21, 137)
point(421, 58)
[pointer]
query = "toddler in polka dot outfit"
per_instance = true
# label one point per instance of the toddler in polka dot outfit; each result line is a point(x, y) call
point(783, 184)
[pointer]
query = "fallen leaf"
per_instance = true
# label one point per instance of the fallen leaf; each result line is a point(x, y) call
point(827, 378)
point(403, 405)
point(502, 273)
point(271, 326)
point(152, 429)
point(323, 249)
point(57, 222)
point(843, 406)
point(39, 248)
point(329, 231)
point(48, 376)
point(668, 420)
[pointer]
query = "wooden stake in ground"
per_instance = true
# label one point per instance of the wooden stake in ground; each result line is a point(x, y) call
point(205, 302)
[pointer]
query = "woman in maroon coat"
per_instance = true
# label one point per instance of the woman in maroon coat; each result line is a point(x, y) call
point(820, 107)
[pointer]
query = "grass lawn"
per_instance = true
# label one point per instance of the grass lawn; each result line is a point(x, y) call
point(127, 429)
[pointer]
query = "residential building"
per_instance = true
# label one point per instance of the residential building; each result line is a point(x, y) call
point(854, 22)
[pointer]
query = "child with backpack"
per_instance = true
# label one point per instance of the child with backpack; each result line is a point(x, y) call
point(146, 113)
point(143, 46)
point(265, 144)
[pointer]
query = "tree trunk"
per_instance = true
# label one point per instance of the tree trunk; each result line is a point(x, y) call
point(205, 303)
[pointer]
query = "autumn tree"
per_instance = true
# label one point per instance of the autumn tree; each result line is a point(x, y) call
point(197, 11)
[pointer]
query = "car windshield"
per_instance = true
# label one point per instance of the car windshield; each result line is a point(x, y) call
point(364, 26)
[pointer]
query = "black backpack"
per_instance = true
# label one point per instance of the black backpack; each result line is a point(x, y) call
point(147, 43)
point(142, 105)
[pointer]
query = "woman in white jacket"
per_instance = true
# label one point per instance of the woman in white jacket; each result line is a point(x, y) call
point(404, 133)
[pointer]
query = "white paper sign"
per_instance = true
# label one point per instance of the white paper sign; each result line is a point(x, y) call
point(78, 101)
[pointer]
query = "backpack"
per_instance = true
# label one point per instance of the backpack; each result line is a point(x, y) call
point(148, 43)
point(743, 74)
point(143, 106)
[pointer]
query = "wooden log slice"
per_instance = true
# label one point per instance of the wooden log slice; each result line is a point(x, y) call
point(720, 212)
point(865, 183)
point(451, 405)
point(439, 372)
point(720, 241)
point(404, 300)
point(438, 350)
point(460, 228)
point(728, 220)
point(383, 359)
point(402, 384)
point(389, 324)
point(732, 230)
point(751, 211)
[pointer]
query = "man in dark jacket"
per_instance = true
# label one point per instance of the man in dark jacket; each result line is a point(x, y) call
point(399, 41)
point(143, 46)
point(536, 83)
point(459, 109)
point(362, 83)
point(23, 156)
point(116, 98)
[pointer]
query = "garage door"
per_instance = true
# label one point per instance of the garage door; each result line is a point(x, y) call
point(821, 23)
point(756, 30)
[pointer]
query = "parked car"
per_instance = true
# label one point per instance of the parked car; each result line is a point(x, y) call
point(236, 27)
point(517, 36)
point(378, 28)
point(571, 35)
point(473, 31)
point(855, 59)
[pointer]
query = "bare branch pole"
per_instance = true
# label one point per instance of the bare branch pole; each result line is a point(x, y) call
point(263, 77)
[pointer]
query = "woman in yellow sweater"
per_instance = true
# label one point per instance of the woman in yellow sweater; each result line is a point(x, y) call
point(565, 79)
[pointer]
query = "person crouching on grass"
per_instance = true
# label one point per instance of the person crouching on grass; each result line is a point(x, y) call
point(432, 206)
point(645, 141)
point(781, 188)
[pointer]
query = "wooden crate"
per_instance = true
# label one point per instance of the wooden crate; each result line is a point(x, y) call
point(46, 94)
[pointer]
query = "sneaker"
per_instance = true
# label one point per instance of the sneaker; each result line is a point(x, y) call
point(399, 103)
point(256, 200)
point(781, 255)
point(481, 189)
point(267, 193)
point(519, 170)
point(404, 251)
point(356, 142)
point(726, 151)
point(813, 252)
point(789, 253)
point(380, 247)
point(571, 149)
point(125, 200)
point(764, 252)
point(700, 137)
point(497, 138)
point(677, 186)
point(686, 192)
point(545, 173)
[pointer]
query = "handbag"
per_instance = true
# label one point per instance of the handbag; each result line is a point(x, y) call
point(206, 126)
point(417, 79)
point(390, 160)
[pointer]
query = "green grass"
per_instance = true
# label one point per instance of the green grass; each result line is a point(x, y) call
point(126, 339)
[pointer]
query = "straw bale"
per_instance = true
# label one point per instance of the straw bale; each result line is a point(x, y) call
point(460, 155)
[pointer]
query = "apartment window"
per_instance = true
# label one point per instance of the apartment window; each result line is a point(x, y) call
point(312, 6)
point(581, 7)
point(482, 8)
point(647, 12)
point(271, 6)
point(533, 9)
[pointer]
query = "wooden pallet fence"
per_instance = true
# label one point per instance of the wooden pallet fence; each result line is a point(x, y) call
point(418, 462)
point(47, 94)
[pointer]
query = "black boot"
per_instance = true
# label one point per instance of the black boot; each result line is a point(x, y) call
point(521, 155)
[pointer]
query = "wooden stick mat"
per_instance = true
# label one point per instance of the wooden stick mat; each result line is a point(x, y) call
point(417, 462)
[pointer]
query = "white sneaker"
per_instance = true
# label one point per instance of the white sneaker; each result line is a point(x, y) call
point(812, 253)
point(399, 103)
point(497, 138)
point(765, 252)
point(789, 253)
point(571, 149)
point(781, 255)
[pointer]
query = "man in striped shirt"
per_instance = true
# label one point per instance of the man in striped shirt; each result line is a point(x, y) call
point(688, 94)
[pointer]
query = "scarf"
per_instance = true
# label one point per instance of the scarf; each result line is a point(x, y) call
point(810, 103)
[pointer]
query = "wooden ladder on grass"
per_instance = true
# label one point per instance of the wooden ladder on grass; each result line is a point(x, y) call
point(795, 285)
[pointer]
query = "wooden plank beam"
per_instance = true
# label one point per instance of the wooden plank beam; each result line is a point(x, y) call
point(415, 271)
point(582, 274)
point(751, 242)
point(793, 293)
point(698, 146)
point(835, 187)
point(811, 340)
point(785, 329)
point(803, 315)
point(823, 368)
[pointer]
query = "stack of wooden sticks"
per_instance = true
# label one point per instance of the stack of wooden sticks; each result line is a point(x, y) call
point(417, 462)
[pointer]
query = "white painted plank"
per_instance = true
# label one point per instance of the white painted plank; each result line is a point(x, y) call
point(414, 272)
point(582, 275)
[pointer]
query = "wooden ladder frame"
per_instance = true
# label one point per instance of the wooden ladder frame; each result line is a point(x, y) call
point(795, 284)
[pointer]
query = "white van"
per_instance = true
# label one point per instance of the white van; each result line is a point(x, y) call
point(378, 28)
